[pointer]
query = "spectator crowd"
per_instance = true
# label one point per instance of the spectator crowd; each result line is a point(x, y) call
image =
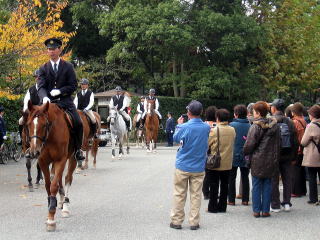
point(275, 143)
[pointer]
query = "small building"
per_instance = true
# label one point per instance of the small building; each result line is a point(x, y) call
point(102, 100)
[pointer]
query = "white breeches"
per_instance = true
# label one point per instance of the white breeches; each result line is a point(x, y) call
point(91, 116)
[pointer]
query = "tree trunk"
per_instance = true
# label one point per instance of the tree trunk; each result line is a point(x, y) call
point(183, 82)
point(175, 84)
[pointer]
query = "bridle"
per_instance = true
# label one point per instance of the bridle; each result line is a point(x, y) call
point(44, 138)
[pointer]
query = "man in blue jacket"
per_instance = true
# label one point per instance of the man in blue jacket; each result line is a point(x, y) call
point(190, 163)
point(170, 129)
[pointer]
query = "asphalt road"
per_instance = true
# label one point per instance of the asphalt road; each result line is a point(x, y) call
point(131, 199)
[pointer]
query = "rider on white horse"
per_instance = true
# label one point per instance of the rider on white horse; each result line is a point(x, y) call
point(151, 96)
point(119, 101)
point(84, 101)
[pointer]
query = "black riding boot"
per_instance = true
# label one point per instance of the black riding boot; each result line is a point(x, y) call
point(160, 124)
point(20, 133)
point(142, 120)
point(128, 125)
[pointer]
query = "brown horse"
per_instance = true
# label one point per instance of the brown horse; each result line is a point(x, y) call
point(90, 143)
point(151, 126)
point(138, 133)
point(48, 133)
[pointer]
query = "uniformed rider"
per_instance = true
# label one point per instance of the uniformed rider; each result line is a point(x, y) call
point(120, 102)
point(151, 96)
point(140, 111)
point(84, 101)
point(57, 82)
point(32, 95)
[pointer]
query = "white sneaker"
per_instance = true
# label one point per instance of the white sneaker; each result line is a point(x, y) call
point(276, 210)
point(287, 208)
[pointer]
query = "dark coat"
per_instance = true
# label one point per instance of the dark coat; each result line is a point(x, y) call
point(65, 81)
point(288, 154)
point(263, 146)
point(241, 127)
point(3, 131)
point(170, 125)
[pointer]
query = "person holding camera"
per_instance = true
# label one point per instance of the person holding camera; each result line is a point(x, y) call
point(190, 163)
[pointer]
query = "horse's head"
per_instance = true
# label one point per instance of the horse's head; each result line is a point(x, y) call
point(150, 106)
point(113, 113)
point(37, 128)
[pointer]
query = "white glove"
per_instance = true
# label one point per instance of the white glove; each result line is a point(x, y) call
point(45, 100)
point(55, 92)
point(5, 137)
point(171, 131)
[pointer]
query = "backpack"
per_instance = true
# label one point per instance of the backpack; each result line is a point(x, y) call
point(285, 134)
point(314, 142)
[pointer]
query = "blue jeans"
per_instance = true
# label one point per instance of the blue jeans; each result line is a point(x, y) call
point(261, 194)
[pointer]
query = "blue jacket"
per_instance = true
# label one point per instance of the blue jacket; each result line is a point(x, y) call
point(169, 125)
point(193, 138)
point(242, 127)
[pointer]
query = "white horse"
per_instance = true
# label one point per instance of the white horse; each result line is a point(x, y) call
point(119, 132)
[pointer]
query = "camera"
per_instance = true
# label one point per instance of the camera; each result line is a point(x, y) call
point(185, 117)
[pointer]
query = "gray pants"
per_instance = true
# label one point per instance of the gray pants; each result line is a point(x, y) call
point(285, 170)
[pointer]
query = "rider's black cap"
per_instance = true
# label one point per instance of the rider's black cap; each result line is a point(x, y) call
point(53, 43)
point(195, 108)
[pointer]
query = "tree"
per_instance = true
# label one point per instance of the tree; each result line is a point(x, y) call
point(22, 38)
point(291, 56)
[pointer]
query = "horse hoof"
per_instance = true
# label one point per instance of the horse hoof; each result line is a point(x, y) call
point(51, 226)
point(37, 186)
point(30, 189)
point(78, 170)
point(60, 205)
point(112, 157)
point(84, 167)
point(65, 214)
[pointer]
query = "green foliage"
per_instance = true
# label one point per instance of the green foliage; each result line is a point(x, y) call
point(12, 112)
point(183, 48)
point(290, 63)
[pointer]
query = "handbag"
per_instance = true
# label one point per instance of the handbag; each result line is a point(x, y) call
point(214, 161)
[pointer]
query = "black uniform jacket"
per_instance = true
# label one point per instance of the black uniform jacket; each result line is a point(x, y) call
point(65, 81)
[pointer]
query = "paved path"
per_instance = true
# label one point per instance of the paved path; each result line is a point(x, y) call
point(131, 199)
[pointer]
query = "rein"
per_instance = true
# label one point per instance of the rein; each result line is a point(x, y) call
point(45, 137)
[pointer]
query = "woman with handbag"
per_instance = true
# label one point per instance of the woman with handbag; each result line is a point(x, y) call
point(263, 147)
point(219, 163)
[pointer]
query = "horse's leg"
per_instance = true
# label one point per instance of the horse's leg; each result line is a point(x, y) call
point(68, 181)
point(128, 148)
point(94, 151)
point(113, 141)
point(120, 149)
point(54, 186)
point(87, 159)
point(46, 172)
point(61, 194)
point(39, 176)
point(28, 165)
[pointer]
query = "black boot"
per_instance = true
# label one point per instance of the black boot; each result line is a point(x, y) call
point(79, 156)
point(141, 123)
point(128, 125)
point(160, 124)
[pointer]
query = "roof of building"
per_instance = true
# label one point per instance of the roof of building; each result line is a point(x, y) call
point(113, 92)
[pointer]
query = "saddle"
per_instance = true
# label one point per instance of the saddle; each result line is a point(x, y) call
point(69, 118)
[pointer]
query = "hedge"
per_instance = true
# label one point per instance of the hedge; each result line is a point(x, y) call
point(12, 112)
point(177, 106)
